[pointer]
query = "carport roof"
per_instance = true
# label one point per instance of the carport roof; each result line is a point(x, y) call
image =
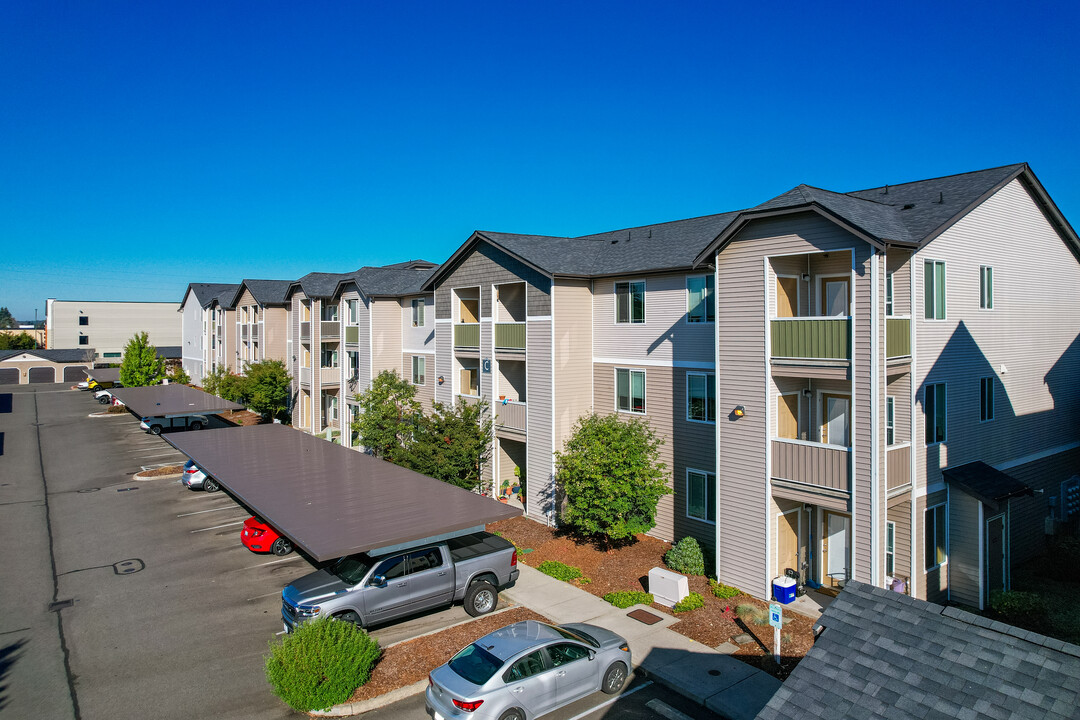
point(329, 500)
point(985, 483)
point(104, 374)
point(165, 400)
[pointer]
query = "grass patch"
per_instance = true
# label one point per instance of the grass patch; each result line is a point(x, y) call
point(625, 598)
point(752, 614)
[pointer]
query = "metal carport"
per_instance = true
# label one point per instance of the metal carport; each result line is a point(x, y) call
point(172, 401)
point(103, 374)
point(332, 501)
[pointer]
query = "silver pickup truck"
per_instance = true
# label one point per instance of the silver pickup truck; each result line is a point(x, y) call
point(373, 590)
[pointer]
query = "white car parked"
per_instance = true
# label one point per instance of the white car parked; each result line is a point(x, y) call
point(196, 477)
point(157, 425)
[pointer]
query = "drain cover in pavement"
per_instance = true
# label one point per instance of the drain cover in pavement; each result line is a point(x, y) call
point(643, 616)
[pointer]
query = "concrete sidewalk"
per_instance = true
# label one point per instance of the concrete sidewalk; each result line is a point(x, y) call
point(728, 687)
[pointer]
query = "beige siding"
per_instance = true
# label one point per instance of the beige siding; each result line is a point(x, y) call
point(540, 460)
point(665, 336)
point(899, 387)
point(898, 262)
point(932, 585)
point(572, 356)
point(964, 538)
point(385, 335)
point(899, 513)
point(273, 338)
point(112, 324)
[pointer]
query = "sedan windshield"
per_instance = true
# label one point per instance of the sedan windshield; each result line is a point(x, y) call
point(475, 664)
point(352, 569)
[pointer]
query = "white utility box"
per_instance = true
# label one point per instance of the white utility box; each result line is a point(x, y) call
point(668, 587)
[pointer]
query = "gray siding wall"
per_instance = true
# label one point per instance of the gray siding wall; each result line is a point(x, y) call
point(743, 380)
point(964, 539)
point(665, 336)
point(539, 452)
point(192, 337)
point(1026, 514)
point(444, 362)
point(486, 266)
point(899, 513)
point(425, 393)
point(418, 339)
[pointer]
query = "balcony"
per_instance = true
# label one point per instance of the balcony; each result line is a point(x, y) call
point(511, 415)
point(330, 376)
point(510, 336)
point(467, 335)
point(255, 333)
point(825, 466)
point(305, 330)
point(329, 330)
point(805, 338)
point(305, 376)
point(352, 335)
point(897, 337)
point(898, 465)
point(244, 332)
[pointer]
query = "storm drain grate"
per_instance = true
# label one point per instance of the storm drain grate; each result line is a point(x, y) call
point(643, 616)
point(61, 604)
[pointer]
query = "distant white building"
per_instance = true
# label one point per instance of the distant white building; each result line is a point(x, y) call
point(107, 326)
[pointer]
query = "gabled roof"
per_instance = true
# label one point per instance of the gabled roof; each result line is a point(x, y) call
point(882, 654)
point(317, 284)
point(205, 292)
point(265, 292)
point(226, 297)
point(390, 280)
point(60, 355)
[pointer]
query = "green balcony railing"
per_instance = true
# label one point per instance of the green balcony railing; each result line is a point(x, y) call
point(812, 338)
point(897, 337)
point(467, 335)
point(352, 334)
point(510, 336)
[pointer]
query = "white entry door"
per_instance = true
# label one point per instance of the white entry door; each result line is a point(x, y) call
point(836, 297)
point(837, 552)
point(835, 430)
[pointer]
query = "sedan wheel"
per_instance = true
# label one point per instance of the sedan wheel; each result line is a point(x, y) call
point(614, 678)
point(156, 429)
point(512, 714)
point(196, 425)
point(210, 485)
point(281, 546)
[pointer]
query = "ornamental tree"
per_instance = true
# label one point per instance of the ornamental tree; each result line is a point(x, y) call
point(453, 443)
point(611, 476)
point(266, 388)
point(389, 415)
point(141, 365)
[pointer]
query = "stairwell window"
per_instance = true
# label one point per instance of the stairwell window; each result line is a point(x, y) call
point(630, 390)
point(630, 302)
point(935, 549)
point(890, 420)
point(934, 290)
point(701, 495)
point(890, 548)
point(986, 399)
point(935, 405)
point(418, 312)
point(354, 312)
point(419, 364)
point(986, 287)
point(699, 299)
point(889, 294)
point(701, 397)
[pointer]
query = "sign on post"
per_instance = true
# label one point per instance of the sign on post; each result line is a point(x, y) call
point(776, 619)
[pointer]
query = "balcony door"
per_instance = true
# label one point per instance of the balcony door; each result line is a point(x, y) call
point(788, 540)
point(836, 414)
point(787, 296)
point(787, 416)
point(835, 296)
point(835, 548)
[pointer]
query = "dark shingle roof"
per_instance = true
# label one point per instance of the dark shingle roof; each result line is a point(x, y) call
point(883, 654)
point(985, 483)
point(226, 297)
point(319, 284)
point(267, 292)
point(390, 280)
point(59, 355)
point(169, 352)
point(206, 292)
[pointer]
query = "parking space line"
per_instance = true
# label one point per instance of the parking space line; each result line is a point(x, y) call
point(618, 697)
point(238, 522)
point(272, 562)
point(257, 597)
point(230, 506)
point(662, 708)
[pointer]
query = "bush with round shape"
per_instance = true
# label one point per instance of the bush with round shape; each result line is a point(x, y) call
point(559, 571)
point(320, 664)
point(686, 557)
point(693, 601)
point(723, 591)
point(625, 598)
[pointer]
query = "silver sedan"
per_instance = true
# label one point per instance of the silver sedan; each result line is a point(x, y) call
point(527, 669)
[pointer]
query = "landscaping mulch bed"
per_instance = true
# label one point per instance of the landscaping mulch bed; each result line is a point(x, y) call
point(411, 661)
point(627, 568)
point(243, 417)
point(167, 470)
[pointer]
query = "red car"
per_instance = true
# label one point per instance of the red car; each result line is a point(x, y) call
point(257, 536)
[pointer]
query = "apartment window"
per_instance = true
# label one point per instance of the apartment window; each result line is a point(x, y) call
point(701, 397)
point(468, 382)
point(890, 548)
point(305, 358)
point(630, 302)
point(329, 312)
point(418, 312)
point(113, 355)
point(84, 320)
point(934, 289)
point(419, 364)
point(331, 408)
point(329, 358)
point(986, 287)
point(890, 420)
point(699, 299)
point(934, 539)
point(889, 294)
point(354, 312)
point(630, 390)
point(935, 404)
point(84, 339)
point(986, 399)
point(354, 365)
point(701, 495)
point(305, 310)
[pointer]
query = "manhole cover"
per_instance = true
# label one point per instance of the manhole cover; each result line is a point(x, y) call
point(60, 604)
point(644, 616)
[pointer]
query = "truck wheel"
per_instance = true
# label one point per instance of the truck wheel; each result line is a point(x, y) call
point(614, 678)
point(155, 429)
point(350, 617)
point(196, 425)
point(281, 547)
point(481, 598)
point(210, 485)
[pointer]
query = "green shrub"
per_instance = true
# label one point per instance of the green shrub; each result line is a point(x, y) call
point(626, 598)
point(1015, 605)
point(686, 557)
point(559, 571)
point(320, 664)
point(723, 591)
point(693, 601)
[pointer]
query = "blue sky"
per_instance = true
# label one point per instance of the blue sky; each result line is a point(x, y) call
point(148, 145)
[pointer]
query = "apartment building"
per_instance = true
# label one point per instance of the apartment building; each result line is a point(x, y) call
point(262, 322)
point(195, 326)
point(345, 329)
point(107, 326)
point(220, 347)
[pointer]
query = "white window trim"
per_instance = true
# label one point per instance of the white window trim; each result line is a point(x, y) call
point(644, 389)
point(926, 415)
point(890, 400)
point(944, 562)
point(982, 297)
point(644, 300)
point(706, 473)
point(993, 400)
point(890, 525)
point(422, 359)
point(415, 306)
point(705, 375)
point(890, 295)
point(712, 301)
point(945, 316)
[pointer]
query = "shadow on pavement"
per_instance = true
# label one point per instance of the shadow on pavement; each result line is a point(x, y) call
point(8, 655)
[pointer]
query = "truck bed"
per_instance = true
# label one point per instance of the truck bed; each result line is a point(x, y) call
point(467, 547)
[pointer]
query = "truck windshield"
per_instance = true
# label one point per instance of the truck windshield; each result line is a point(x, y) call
point(475, 664)
point(352, 569)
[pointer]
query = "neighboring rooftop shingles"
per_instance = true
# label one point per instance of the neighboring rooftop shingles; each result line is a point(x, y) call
point(268, 292)
point(883, 654)
point(205, 292)
point(61, 355)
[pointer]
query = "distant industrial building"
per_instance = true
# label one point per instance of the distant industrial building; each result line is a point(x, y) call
point(107, 326)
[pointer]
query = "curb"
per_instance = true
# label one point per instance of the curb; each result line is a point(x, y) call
point(102, 414)
point(139, 476)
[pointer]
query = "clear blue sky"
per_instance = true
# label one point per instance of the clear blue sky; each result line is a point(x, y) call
point(147, 145)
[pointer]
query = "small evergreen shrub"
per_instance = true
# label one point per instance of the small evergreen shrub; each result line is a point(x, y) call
point(625, 598)
point(1017, 607)
point(693, 601)
point(320, 664)
point(723, 591)
point(559, 571)
point(686, 557)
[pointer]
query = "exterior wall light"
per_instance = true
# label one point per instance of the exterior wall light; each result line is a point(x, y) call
point(739, 411)
point(440, 380)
